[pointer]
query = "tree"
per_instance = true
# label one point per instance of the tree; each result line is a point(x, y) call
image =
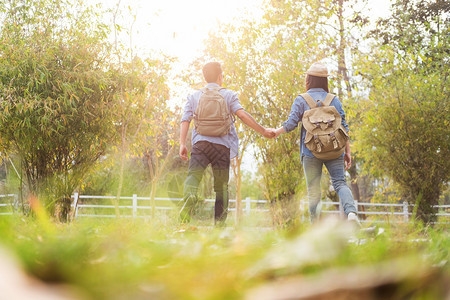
point(406, 126)
point(141, 98)
point(348, 18)
point(264, 62)
point(57, 93)
point(159, 147)
point(140, 108)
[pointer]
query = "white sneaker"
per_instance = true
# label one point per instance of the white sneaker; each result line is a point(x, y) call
point(352, 217)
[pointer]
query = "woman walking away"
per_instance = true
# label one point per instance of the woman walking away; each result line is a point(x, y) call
point(324, 140)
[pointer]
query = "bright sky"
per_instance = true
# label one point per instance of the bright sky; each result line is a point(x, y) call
point(177, 28)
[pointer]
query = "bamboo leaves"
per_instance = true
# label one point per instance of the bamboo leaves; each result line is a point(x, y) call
point(53, 94)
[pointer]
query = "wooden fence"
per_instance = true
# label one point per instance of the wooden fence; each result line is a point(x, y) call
point(134, 206)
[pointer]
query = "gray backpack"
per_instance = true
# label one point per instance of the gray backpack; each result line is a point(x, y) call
point(212, 116)
point(325, 136)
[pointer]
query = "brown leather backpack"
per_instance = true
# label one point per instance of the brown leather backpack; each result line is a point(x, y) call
point(212, 116)
point(325, 136)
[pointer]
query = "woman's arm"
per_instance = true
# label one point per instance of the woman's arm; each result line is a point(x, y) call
point(297, 110)
point(279, 131)
point(347, 156)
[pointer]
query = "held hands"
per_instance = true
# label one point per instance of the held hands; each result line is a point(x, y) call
point(279, 131)
point(269, 133)
point(272, 133)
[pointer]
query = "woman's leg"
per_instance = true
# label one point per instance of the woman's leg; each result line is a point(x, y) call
point(337, 173)
point(313, 173)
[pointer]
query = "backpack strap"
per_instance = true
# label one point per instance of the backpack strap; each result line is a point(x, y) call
point(309, 100)
point(328, 99)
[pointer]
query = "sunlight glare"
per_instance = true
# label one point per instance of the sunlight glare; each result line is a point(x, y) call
point(177, 28)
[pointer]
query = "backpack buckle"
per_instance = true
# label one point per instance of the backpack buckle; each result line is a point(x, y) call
point(318, 143)
point(333, 138)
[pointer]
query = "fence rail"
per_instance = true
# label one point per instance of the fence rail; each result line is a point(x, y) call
point(134, 206)
point(10, 205)
point(402, 212)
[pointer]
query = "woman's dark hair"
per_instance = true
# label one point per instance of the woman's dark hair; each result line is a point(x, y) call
point(211, 71)
point(316, 82)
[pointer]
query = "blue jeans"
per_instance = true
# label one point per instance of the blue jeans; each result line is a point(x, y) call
point(313, 173)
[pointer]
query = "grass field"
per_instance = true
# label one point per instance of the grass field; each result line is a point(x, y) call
point(143, 259)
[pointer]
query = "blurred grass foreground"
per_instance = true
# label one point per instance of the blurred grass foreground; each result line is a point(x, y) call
point(143, 259)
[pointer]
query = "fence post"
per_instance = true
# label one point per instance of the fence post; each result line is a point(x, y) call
point(134, 205)
point(405, 211)
point(356, 206)
point(247, 206)
point(75, 204)
point(16, 202)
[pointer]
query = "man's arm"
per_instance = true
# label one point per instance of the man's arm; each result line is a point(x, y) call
point(183, 135)
point(250, 121)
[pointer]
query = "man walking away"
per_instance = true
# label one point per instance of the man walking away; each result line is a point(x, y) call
point(214, 139)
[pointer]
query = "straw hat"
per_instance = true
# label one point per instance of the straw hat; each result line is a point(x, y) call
point(318, 69)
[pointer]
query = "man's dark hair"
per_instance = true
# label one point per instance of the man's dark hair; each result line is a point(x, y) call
point(316, 82)
point(211, 71)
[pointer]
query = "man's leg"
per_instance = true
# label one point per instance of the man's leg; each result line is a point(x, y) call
point(313, 173)
point(197, 165)
point(220, 162)
point(337, 174)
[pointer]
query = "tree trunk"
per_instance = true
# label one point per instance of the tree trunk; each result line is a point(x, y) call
point(121, 170)
point(343, 76)
point(21, 187)
point(64, 209)
point(238, 181)
point(156, 172)
point(424, 209)
point(152, 196)
point(238, 192)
